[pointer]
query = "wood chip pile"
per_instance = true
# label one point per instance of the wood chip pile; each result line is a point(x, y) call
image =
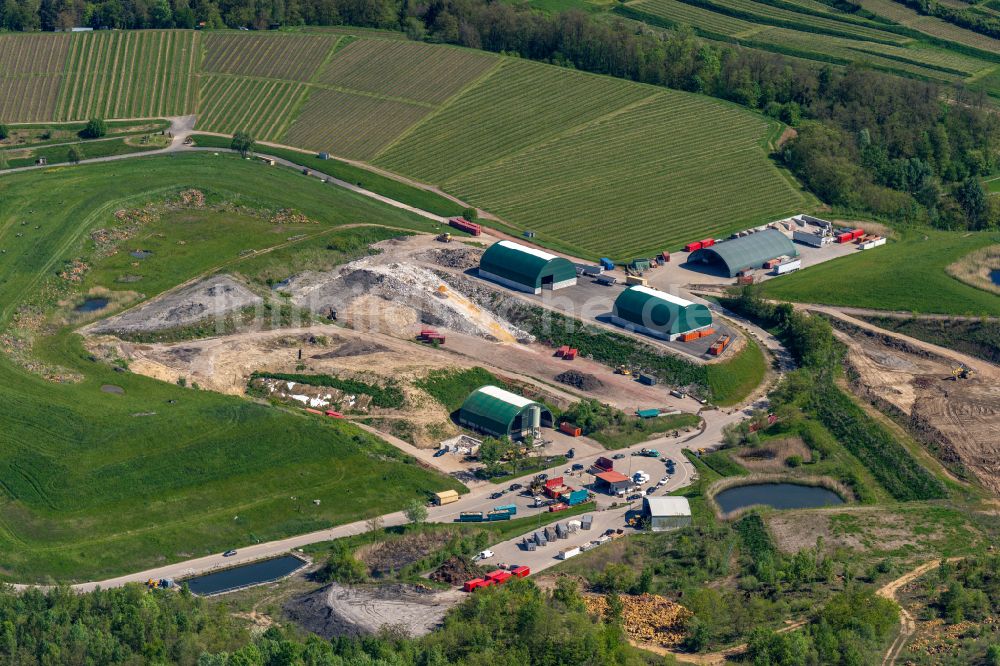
point(648, 618)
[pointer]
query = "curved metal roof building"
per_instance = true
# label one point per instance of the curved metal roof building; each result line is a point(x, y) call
point(497, 412)
point(748, 252)
point(658, 313)
point(525, 268)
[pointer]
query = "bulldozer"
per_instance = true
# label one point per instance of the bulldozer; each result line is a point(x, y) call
point(962, 372)
point(623, 370)
point(445, 237)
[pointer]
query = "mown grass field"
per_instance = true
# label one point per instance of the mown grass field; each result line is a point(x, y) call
point(94, 483)
point(733, 380)
point(908, 274)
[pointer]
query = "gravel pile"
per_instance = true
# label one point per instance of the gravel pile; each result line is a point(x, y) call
point(580, 380)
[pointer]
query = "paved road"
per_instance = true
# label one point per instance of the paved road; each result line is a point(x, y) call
point(478, 499)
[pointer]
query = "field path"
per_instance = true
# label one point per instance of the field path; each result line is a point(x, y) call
point(906, 621)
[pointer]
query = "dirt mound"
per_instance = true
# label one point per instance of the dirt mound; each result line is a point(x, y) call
point(340, 610)
point(581, 380)
point(211, 297)
point(455, 571)
point(649, 618)
point(353, 348)
point(395, 298)
point(394, 554)
point(460, 257)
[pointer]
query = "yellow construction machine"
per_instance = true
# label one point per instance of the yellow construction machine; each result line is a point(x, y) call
point(623, 370)
point(444, 238)
point(963, 372)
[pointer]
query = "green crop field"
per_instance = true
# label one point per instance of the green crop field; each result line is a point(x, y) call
point(908, 275)
point(351, 125)
point(675, 12)
point(31, 68)
point(135, 74)
point(405, 70)
point(759, 11)
point(287, 57)
point(930, 25)
point(520, 105)
point(97, 483)
point(260, 106)
point(570, 154)
point(645, 184)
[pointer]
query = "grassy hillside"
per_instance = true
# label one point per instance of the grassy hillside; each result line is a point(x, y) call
point(96, 483)
point(908, 274)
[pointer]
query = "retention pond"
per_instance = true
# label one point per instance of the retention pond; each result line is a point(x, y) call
point(995, 276)
point(776, 495)
point(255, 573)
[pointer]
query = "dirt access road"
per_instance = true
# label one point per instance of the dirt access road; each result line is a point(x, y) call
point(906, 621)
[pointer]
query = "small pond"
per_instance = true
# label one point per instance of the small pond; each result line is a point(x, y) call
point(995, 276)
point(776, 495)
point(244, 576)
point(141, 254)
point(92, 305)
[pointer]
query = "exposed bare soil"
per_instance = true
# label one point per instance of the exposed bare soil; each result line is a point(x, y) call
point(340, 610)
point(212, 297)
point(958, 418)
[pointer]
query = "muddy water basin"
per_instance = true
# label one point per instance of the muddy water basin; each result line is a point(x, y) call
point(92, 305)
point(246, 575)
point(777, 496)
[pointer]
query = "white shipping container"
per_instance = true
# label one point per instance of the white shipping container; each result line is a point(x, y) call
point(567, 553)
point(788, 267)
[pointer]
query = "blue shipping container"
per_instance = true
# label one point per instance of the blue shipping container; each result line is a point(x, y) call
point(499, 515)
point(509, 508)
point(607, 264)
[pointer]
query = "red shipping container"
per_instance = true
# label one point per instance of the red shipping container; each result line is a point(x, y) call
point(562, 350)
point(691, 247)
point(333, 414)
point(465, 225)
point(470, 585)
point(561, 506)
point(520, 572)
point(570, 355)
point(845, 237)
point(499, 577)
point(708, 242)
point(570, 429)
point(857, 233)
point(554, 483)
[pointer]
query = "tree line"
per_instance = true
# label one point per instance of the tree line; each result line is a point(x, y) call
point(866, 141)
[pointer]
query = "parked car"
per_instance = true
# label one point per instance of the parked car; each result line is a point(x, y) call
point(440, 452)
point(542, 476)
point(577, 466)
point(649, 491)
point(496, 495)
point(634, 496)
point(618, 456)
point(664, 480)
point(229, 553)
point(571, 453)
point(485, 555)
point(515, 486)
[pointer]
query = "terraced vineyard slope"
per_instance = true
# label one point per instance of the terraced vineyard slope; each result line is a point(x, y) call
point(134, 74)
point(31, 72)
point(817, 31)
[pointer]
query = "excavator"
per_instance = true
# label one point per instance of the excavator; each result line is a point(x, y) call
point(962, 372)
point(623, 370)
